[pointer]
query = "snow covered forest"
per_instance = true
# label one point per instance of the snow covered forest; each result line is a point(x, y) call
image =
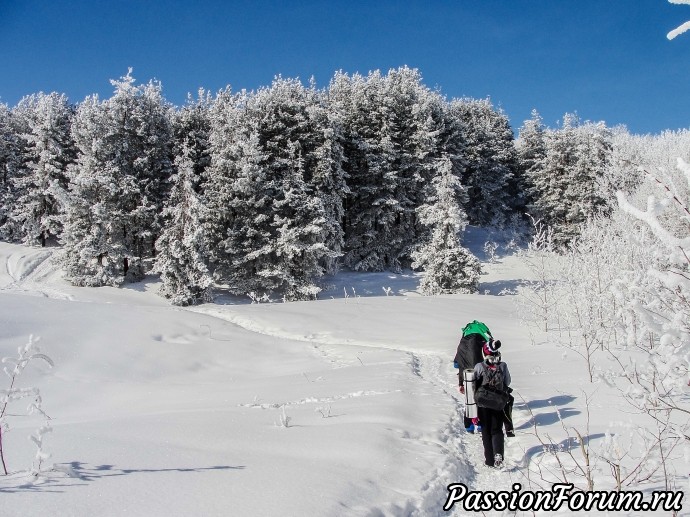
point(267, 191)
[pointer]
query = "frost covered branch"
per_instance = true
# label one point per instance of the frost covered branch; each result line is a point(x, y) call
point(684, 27)
point(13, 370)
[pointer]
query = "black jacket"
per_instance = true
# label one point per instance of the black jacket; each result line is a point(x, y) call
point(469, 354)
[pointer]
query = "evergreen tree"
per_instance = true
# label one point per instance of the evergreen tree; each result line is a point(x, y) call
point(392, 132)
point(566, 186)
point(448, 267)
point(118, 185)
point(623, 172)
point(409, 134)
point(182, 248)
point(447, 140)
point(10, 163)
point(217, 179)
point(593, 150)
point(41, 183)
point(325, 159)
point(491, 162)
point(531, 145)
point(531, 150)
point(299, 219)
point(354, 99)
point(191, 130)
point(551, 181)
point(275, 163)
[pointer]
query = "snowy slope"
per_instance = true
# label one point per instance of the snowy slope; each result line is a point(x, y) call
point(163, 411)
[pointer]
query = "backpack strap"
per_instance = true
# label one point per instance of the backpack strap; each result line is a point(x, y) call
point(494, 376)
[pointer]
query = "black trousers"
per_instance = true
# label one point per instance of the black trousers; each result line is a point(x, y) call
point(492, 433)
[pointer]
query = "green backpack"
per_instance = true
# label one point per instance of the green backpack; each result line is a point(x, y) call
point(477, 327)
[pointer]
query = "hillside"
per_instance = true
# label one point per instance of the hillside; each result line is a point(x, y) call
point(343, 406)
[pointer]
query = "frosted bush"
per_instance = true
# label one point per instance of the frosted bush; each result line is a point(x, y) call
point(14, 368)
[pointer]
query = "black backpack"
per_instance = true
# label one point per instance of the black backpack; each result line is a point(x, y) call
point(490, 393)
point(494, 378)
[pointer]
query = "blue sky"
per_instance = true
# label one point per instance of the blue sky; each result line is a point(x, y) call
point(605, 59)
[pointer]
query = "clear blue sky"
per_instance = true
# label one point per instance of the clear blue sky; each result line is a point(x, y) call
point(605, 59)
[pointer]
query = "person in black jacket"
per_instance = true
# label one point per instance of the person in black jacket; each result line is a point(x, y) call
point(494, 372)
point(469, 353)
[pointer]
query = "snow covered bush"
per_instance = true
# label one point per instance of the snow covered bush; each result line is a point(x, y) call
point(13, 370)
point(537, 299)
point(581, 298)
point(662, 380)
point(620, 301)
point(587, 302)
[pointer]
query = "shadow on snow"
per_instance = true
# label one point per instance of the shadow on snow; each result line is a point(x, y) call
point(52, 481)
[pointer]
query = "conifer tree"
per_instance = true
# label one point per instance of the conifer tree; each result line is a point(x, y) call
point(10, 161)
point(218, 178)
point(448, 267)
point(491, 162)
point(531, 152)
point(182, 248)
point(274, 165)
point(41, 182)
point(550, 182)
point(118, 184)
point(191, 129)
point(594, 151)
point(355, 100)
point(392, 134)
point(531, 145)
point(325, 159)
point(565, 186)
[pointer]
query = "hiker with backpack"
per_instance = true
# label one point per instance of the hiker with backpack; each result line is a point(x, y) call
point(491, 382)
point(469, 353)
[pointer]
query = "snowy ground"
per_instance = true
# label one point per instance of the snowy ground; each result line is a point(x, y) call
point(164, 411)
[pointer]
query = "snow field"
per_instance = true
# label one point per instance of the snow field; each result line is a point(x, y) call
point(345, 406)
